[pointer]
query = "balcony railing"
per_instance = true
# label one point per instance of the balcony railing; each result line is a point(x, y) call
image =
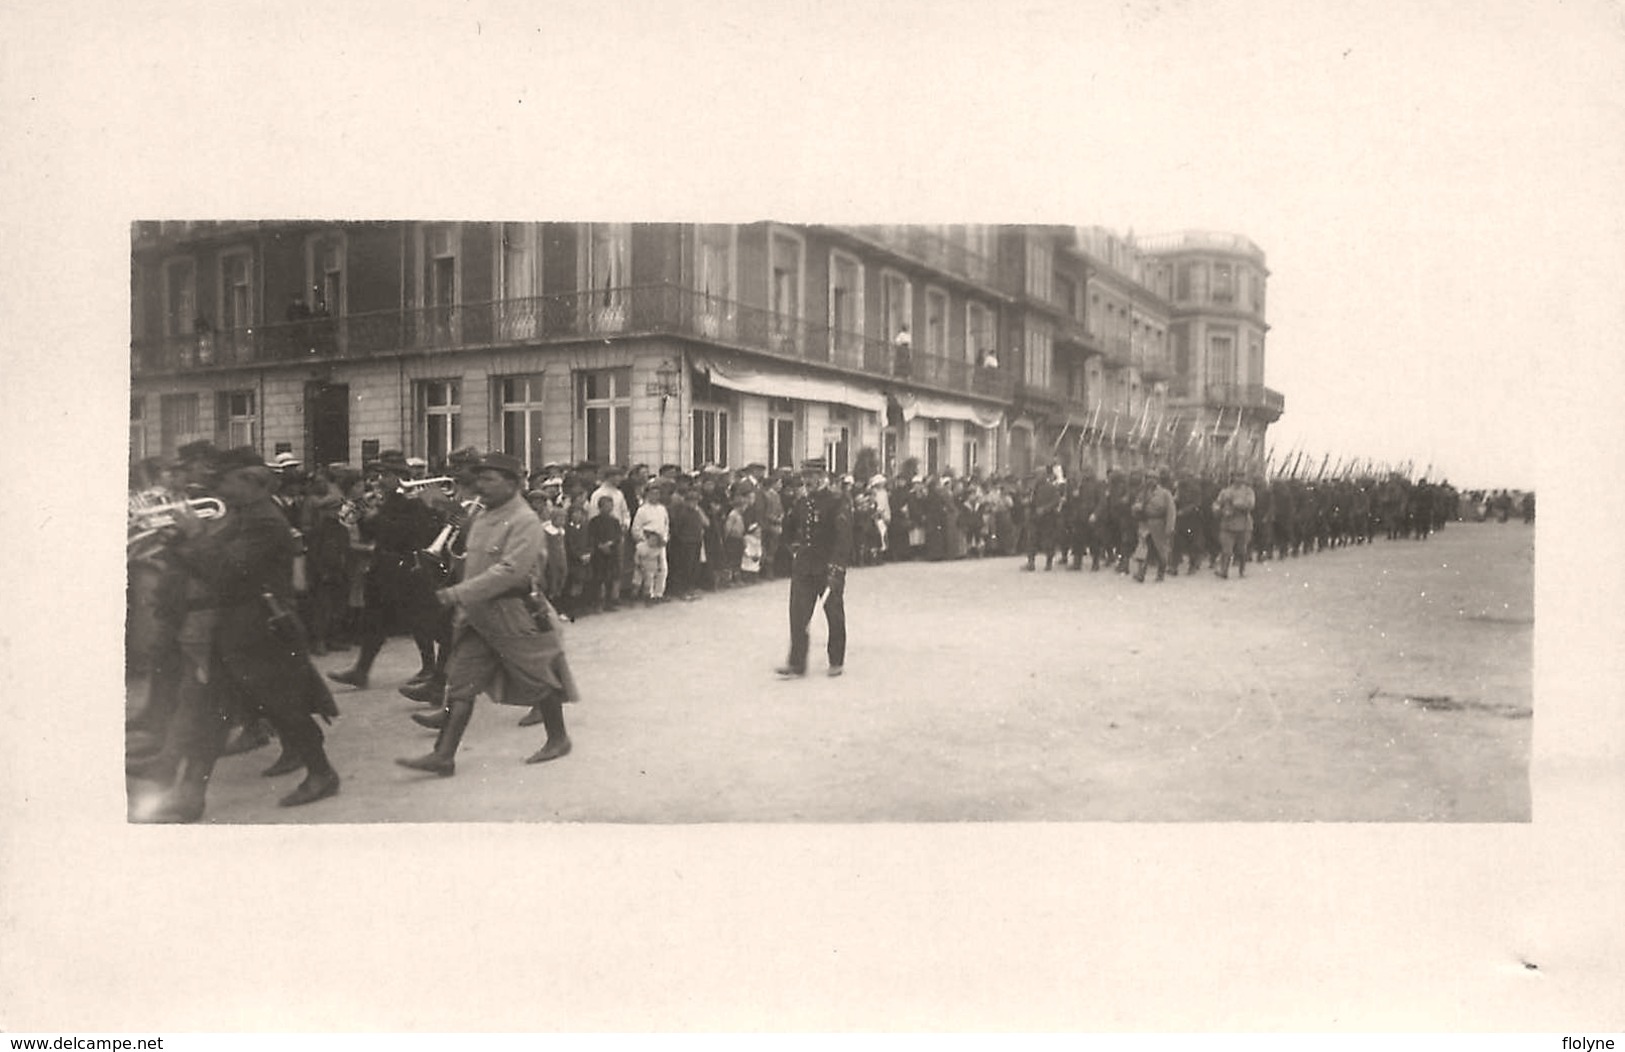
point(1246, 396)
point(561, 317)
point(934, 250)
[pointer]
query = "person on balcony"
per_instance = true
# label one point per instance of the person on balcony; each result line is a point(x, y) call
point(902, 352)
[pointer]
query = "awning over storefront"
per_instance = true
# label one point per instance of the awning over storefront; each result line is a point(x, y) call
point(785, 385)
point(939, 409)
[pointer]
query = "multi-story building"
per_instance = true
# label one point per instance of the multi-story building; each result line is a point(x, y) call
point(964, 348)
point(1215, 284)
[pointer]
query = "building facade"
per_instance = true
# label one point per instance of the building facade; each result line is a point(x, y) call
point(967, 349)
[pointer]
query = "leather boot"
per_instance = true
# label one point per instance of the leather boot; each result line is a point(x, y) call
point(427, 691)
point(319, 784)
point(287, 763)
point(558, 741)
point(432, 720)
point(442, 760)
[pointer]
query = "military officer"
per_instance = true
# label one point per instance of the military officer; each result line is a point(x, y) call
point(819, 527)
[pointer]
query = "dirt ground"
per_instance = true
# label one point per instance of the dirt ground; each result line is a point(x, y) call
point(1389, 682)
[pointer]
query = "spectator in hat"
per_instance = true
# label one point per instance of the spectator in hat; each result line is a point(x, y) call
point(819, 526)
point(770, 502)
point(688, 524)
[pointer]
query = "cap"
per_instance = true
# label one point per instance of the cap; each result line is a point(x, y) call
point(392, 461)
point(753, 466)
point(502, 462)
point(878, 480)
point(240, 457)
point(416, 462)
point(553, 480)
point(284, 460)
point(202, 449)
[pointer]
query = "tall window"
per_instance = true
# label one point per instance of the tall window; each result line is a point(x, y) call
point(845, 305)
point(609, 268)
point(1037, 370)
point(1182, 282)
point(516, 280)
point(1258, 293)
point(1182, 359)
point(710, 437)
point(1040, 269)
point(972, 451)
point(439, 419)
point(520, 402)
point(606, 414)
point(180, 297)
point(440, 284)
point(933, 446)
point(138, 427)
point(936, 322)
point(714, 277)
point(785, 266)
point(236, 292)
point(1221, 360)
point(781, 433)
point(328, 280)
point(896, 305)
point(980, 239)
point(177, 421)
point(1224, 290)
point(980, 334)
point(236, 423)
point(1255, 360)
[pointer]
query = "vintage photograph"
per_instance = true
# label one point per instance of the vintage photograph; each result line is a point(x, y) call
point(929, 517)
point(645, 488)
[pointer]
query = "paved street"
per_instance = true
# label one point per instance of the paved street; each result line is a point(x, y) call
point(1383, 683)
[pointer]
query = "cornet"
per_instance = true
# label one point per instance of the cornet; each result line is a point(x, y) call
point(442, 551)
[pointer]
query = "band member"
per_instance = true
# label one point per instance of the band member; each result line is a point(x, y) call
point(445, 564)
point(257, 665)
point(819, 526)
point(396, 592)
point(501, 631)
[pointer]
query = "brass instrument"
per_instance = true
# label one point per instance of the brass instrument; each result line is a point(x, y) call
point(147, 521)
point(444, 551)
point(445, 482)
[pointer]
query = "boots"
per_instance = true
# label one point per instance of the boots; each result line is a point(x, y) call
point(357, 676)
point(427, 691)
point(558, 742)
point(442, 761)
point(319, 784)
point(434, 720)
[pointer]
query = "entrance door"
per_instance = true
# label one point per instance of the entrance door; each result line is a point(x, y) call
point(327, 423)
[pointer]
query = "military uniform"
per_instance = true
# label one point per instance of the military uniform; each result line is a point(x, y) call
point(819, 526)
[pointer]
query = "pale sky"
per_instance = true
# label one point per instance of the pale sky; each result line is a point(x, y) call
point(1435, 184)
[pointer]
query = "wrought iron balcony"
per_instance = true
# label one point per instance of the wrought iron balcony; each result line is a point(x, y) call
point(926, 246)
point(564, 317)
point(1247, 396)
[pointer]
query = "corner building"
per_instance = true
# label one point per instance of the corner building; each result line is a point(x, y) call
point(968, 349)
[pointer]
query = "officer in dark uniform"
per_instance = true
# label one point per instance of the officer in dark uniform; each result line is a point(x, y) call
point(819, 528)
point(397, 593)
point(257, 663)
point(1045, 511)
